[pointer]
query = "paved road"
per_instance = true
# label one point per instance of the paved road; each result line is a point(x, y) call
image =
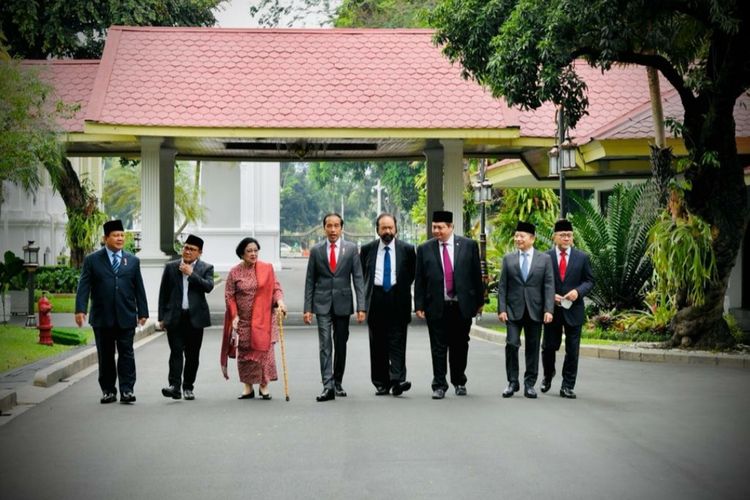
point(637, 430)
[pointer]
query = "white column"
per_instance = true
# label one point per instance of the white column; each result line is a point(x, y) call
point(434, 155)
point(151, 256)
point(453, 181)
point(166, 199)
point(150, 196)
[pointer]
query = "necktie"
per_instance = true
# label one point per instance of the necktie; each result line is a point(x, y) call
point(525, 266)
point(115, 262)
point(448, 268)
point(563, 264)
point(387, 269)
point(332, 258)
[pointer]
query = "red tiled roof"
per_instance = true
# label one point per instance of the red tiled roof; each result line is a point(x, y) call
point(73, 81)
point(285, 78)
point(639, 123)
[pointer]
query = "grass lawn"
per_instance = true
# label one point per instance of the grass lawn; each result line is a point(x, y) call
point(61, 302)
point(584, 340)
point(19, 346)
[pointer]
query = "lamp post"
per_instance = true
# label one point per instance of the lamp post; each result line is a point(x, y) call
point(562, 157)
point(483, 195)
point(379, 188)
point(30, 263)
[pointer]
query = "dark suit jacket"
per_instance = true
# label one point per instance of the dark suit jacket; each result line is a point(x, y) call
point(405, 268)
point(579, 276)
point(200, 283)
point(327, 292)
point(537, 293)
point(467, 278)
point(116, 299)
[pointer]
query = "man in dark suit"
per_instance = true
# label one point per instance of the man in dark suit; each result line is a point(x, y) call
point(574, 279)
point(183, 311)
point(332, 268)
point(112, 279)
point(448, 292)
point(388, 268)
point(525, 299)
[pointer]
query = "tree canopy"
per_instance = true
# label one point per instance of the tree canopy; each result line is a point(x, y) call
point(37, 29)
point(524, 50)
point(27, 128)
point(384, 13)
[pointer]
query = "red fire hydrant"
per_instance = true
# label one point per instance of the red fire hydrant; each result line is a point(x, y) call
point(45, 321)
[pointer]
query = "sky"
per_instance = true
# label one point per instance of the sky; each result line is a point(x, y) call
point(236, 14)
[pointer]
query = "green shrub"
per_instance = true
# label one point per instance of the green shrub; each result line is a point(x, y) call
point(57, 279)
point(70, 336)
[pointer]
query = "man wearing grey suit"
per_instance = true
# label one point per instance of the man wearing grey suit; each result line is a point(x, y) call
point(183, 312)
point(525, 299)
point(332, 267)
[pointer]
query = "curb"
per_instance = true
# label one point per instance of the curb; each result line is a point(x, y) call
point(8, 400)
point(634, 353)
point(49, 376)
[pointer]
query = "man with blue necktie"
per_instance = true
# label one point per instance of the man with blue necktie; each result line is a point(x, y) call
point(388, 266)
point(525, 299)
point(112, 279)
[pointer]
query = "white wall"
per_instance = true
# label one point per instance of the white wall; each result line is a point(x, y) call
point(240, 199)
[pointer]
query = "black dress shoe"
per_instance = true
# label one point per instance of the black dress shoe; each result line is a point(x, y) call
point(529, 392)
point(172, 392)
point(189, 396)
point(382, 391)
point(567, 393)
point(340, 392)
point(512, 388)
point(249, 395)
point(326, 395)
point(108, 397)
point(460, 390)
point(546, 384)
point(265, 396)
point(401, 387)
point(127, 397)
point(438, 394)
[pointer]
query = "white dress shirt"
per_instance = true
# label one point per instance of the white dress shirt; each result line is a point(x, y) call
point(380, 262)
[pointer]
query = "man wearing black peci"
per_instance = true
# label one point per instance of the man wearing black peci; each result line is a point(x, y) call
point(574, 279)
point(525, 299)
point(183, 312)
point(448, 292)
point(112, 279)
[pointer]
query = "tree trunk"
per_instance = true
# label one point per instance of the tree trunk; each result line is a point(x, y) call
point(718, 195)
point(77, 201)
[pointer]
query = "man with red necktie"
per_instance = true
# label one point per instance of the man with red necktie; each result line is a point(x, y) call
point(332, 268)
point(448, 292)
point(573, 280)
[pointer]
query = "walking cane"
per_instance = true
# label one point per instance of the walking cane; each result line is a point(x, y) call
point(283, 356)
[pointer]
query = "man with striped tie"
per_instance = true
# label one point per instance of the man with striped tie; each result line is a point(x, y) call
point(525, 299)
point(112, 279)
